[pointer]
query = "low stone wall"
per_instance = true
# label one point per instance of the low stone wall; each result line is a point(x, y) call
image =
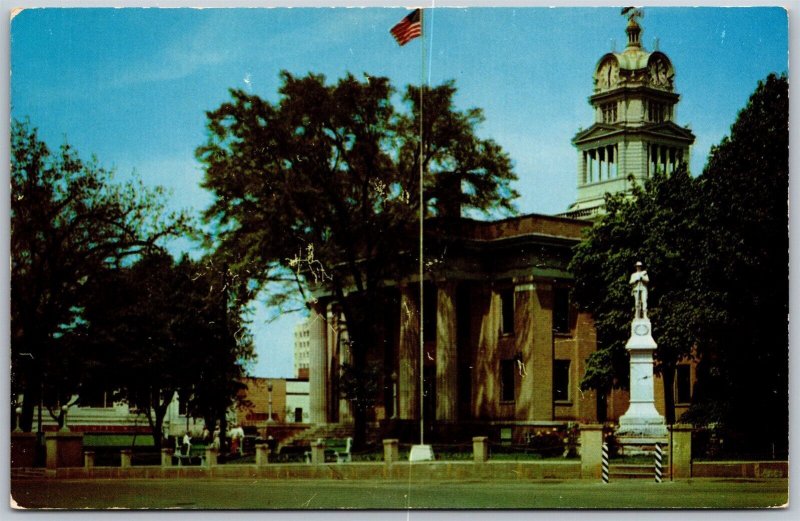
point(425, 471)
point(436, 471)
point(740, 469)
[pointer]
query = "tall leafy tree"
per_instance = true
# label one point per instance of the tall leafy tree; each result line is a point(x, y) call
point(744, 362)
point(215, 328)
point(161, 328)
point(716, 248)
point(659, 225)
point(322, 185)
point(69, 223)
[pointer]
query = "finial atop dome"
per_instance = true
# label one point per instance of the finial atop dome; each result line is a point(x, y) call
point(633, 28)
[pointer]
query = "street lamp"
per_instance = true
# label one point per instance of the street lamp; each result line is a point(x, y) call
point(269, 388)
point(64, 427)
point(18, 410)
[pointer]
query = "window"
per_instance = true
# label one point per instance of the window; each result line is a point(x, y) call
point(683, 384)
point(507, 380)
point(561, 380)
point(507, 310)
point(561, 310)
point(656, 112)
point(609, 112)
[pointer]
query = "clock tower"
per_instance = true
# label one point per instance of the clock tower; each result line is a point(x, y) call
point(634, 132)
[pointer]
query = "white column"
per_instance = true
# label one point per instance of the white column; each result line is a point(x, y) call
point(581, 168)
point(317, 365)
point(446, 353)
point(408, 363)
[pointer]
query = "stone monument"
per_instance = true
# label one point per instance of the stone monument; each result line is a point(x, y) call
point(641, 425)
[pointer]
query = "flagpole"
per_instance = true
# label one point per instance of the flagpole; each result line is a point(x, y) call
point(421, 241)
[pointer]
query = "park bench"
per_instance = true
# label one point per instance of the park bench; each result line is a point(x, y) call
point(290, 454)
point(336, 449)
point(197, 452)
point(107, 446)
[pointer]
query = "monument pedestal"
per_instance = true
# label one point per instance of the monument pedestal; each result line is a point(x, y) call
point(641, 427)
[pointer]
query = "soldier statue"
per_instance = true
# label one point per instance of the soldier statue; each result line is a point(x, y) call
point(639, 280)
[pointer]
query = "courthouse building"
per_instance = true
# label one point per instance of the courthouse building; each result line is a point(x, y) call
point(504, 348)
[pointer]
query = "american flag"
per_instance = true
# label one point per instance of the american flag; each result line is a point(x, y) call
point(409, 28)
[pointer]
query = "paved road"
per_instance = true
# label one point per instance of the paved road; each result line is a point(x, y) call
point(306, 494)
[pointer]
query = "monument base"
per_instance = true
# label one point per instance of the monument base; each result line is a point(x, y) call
point(641, 421)
point(639, 445)
point(420, 453)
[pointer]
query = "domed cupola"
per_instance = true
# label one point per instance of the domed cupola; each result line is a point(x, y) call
point(634, 133)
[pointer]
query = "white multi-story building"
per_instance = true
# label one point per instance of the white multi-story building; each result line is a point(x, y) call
point(301, 349)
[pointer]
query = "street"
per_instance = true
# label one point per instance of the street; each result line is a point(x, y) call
point(374, 494)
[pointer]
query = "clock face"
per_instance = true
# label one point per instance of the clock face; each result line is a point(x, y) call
point(608, 75)
point(659, 72)
point(641, 329)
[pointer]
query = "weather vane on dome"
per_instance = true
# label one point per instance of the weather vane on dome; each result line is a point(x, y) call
point(633, 13)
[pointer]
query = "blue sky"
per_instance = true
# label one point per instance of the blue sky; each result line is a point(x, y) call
point(131, 86)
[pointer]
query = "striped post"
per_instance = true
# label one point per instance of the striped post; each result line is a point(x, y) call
point(604, 463)
point(658, 462)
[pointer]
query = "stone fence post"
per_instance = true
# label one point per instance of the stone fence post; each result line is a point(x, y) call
point(318, 452)
point(166, 457)
point(262, 454)
point(64, 449)
point(680, 456)
point(480, 449)
point(125, 458)
point(88, 459)
point(391, 451)
point(23, 449)
point(591, 450)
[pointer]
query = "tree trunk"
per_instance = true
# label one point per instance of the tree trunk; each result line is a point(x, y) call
point(602, 404)
point(363, 339)
point(359, 407)
point(158, 433)
point(29, 403)
point(31, 371)
point(223, 429)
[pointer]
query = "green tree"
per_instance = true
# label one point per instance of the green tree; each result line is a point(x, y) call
point(69, 223)
point(215, 326)
point(716, 248)
point(658, 224)
point(162, 328)
point(326, 179)
point(745, 349)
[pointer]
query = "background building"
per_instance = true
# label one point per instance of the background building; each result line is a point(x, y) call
point(289, 397)
point(504, 347)
point(301, 344)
